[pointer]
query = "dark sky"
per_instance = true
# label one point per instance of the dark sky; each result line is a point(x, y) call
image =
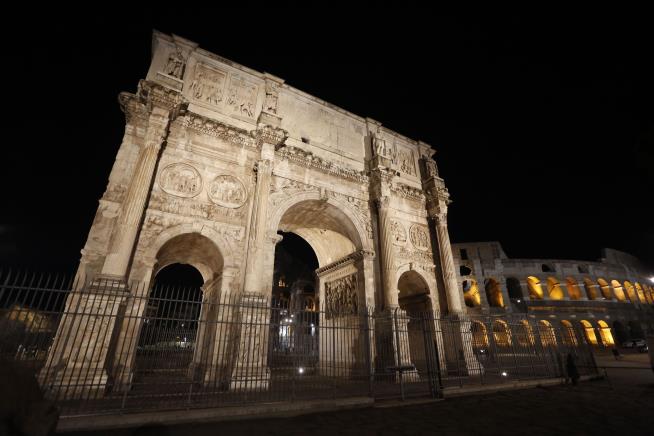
point(543, 125)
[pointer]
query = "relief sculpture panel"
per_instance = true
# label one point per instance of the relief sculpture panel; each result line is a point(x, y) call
point(227, 191)
point(341, 296)
point(242, 96)
point(208, 85)
point(419, 236)
point(180, 180)
point(399, 233)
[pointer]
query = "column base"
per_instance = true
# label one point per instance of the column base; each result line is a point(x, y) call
point(74, 384)
point(248, 382)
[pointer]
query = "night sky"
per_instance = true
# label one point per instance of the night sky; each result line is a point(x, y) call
point(543, 125)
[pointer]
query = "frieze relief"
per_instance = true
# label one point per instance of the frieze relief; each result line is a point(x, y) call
point(309, 160)
point(180, 180)
point(417, 256)
point(419, 236)
point(219, 130)
point(208, 85)
point(227, 191)
point(242, 96)
point(341, 296)
point(408, 192)
point(193, 208)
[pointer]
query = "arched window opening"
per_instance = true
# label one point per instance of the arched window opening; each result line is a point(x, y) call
point(641, 293)
point(546, 268)
point(605, 333)
point(568, 334)
point(589, 331)
point(631, 292)
point(605, 288)
point(494, 293)
point(592, 289)
point(554, 290)
point(514, 289)
point(501, 334)
point(547, 334)
point(525, 334)
point(479, 337)
point(573, 289)
point(471, 293)
point(535, 289)
point(464, 270)
point(618, 291)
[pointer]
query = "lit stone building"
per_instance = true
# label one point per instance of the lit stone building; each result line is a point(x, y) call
point(217, 160)
point(611, 300)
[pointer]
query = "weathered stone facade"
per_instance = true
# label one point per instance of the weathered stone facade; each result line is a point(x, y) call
point(217, 158)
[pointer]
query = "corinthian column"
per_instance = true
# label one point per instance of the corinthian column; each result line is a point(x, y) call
point(133, 206)
point(387, 253)
point(454, 297)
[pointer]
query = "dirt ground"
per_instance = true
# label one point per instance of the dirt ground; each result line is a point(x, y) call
point(623, 404)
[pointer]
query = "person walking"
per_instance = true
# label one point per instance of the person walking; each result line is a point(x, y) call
point(571, 369)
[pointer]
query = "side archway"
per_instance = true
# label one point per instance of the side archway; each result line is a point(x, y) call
point(535, 288)
point(494, 293)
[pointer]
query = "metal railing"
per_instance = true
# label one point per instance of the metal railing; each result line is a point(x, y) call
point(102, 347)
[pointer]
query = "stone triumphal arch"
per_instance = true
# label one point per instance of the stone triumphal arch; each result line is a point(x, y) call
point(216, 161)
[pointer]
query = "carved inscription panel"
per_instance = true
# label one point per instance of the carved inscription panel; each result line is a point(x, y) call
point(341, 296)
point(181, 180)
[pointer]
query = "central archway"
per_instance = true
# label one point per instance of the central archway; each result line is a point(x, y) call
point(334, 235)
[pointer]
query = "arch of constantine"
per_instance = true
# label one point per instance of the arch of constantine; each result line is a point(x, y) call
point(217, 162)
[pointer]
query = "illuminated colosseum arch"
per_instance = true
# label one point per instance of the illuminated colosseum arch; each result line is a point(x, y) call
point(568, 333)
point(605, 333)
point(631, 292)
point(640, 292)
point(471, 293)
point(501, 333)
point(494, 293)
point(618, 291)
point(649, 293)
point(589, 332)
point(479, 336)
point(605, 288)
point(525, 334)
point(546, 333)
point(573, 289)
point(535, 288)
point(554, 291)
point(591, 289)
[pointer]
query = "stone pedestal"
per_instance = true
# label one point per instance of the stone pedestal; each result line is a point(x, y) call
point(75, 367)
point(251, 370)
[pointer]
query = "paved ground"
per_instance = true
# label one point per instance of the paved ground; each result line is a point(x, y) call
point(622, 405)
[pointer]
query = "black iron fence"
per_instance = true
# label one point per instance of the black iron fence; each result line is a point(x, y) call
point(101, 346)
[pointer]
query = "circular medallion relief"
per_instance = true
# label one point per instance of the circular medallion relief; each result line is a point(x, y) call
point(181, 180)
point(227, 191)
point(419, 236)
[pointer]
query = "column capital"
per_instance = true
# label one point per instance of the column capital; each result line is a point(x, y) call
point(268, 134)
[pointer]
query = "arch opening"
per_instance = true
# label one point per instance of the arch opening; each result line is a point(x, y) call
point(589, 332)
point(535, 288)
point(605, 333)
point(554, 290)
point(546, 333)
point(494, 293)
point(568, 335)
point(501, 334)
point(591, 289)
point(631, 292)
point(513, 288)
point(573, 289)
point(605, 289)
point(471, 294)
point(618, 291)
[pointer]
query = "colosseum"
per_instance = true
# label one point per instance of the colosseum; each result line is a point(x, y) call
point(610, 300)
